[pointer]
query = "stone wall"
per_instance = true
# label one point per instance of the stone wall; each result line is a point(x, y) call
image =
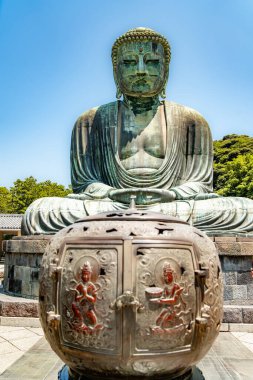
point(238, 282)
point(236, 255)
point(22, 262)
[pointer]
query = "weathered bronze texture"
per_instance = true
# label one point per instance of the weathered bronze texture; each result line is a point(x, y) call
point(130, 294)
point(158, 150)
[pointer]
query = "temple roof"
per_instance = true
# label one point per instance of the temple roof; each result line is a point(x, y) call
point(10, 221)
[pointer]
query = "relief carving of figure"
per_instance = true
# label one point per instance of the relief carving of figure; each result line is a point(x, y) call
point(83, 307)
point(170, 296)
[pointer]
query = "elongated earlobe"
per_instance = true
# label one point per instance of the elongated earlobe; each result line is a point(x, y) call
point(163, 93)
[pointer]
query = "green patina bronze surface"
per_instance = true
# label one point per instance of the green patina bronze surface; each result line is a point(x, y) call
point(142, 145)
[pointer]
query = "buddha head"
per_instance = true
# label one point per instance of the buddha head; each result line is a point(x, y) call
point(141, 60)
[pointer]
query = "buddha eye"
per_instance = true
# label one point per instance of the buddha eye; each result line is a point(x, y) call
point(154, 61)
point(129, 62)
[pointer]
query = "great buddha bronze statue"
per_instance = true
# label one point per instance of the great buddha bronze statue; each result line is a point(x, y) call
point(157, 150)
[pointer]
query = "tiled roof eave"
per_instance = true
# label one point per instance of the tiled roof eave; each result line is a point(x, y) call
point(10, 222)
point(9, 228)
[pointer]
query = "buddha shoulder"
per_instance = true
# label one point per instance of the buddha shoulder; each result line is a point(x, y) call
point(186, 114)
point(87, 118)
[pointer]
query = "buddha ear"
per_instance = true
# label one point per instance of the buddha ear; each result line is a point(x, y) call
point(166, 77)
point(163, 93)
point(118, 93)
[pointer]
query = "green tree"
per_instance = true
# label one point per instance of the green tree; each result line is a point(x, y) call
point(236, 177)
point(232, 146)
point(5, 200)
point(24, 192)
point(233, 166)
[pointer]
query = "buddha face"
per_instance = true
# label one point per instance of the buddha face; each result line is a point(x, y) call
point(141, 69)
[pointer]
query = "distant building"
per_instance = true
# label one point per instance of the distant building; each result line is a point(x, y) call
point(10, 225)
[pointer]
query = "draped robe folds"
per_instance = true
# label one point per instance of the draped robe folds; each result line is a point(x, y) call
point(186, 170)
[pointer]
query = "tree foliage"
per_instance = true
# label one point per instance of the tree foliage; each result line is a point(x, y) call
point(24, 192)
point(5, 200)
point(233, 166)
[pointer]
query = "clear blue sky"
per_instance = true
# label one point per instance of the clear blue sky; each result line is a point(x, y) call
point(55, 64)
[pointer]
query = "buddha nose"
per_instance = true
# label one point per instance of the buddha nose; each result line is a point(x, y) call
point(141, 67)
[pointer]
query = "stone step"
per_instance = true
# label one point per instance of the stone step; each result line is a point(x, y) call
point(11, 306)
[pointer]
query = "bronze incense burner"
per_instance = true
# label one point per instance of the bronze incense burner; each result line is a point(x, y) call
point(130, 294)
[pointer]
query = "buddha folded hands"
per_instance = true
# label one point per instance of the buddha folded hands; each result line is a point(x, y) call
point(159, 151)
